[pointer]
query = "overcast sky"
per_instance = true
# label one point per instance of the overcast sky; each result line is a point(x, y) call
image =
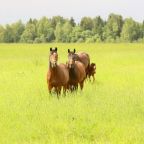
point(13, 10)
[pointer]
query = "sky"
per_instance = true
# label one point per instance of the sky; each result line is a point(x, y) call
point(14, 10)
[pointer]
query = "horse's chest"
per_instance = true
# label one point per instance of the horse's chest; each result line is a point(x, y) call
point(54, 80)
point(73, 74)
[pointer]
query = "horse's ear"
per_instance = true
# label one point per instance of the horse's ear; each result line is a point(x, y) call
point(74, 50)
point(55, 48)
point(68, 50)
point(51, 49)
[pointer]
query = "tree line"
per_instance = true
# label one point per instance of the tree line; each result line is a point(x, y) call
point(60, 29)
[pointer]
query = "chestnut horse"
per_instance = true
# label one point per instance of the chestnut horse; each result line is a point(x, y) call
point(58, 74)
point(92, 71)
point(82, 57)
point(77, 72)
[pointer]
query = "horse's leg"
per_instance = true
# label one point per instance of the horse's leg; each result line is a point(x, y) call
point(50, 88)
point(93, 77)
point(76, 87)
point(81, 84)
point(71, 88)
point(87, 72)
point(58, 90)
point(68, 87)
point(89, 76)
point(64, 89)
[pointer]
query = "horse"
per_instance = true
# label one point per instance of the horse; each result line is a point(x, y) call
point(58, 74)
point(82, 57)
point(92, 71)
point(77, 72)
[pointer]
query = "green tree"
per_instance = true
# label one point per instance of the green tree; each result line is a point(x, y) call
point(58, 32)
point(45, 32)
point(72, 22)
point(29, 33)
point(50, 35)
point(2, 30)
point(8, 34)
point(42, 27)
point(66, 29)
point(87, 34)
point(17, 29)
point(130, 30)
point(98, 26)
point(86, 23)
point(76, 34)
point(56, 20)
point(143, 29)
point(113, 27)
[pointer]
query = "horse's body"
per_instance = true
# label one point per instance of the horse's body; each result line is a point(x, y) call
point(85, 59)
point(77, 73)
point(82, 57)
point(92, 71)
point(58, 75)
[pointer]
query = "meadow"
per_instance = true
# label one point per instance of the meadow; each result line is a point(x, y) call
point(107, 111)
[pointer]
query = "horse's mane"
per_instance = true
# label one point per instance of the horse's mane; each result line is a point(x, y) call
point(76, 57)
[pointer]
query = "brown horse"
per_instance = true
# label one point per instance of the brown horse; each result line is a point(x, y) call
point(82, 57)
point(77, 72)
point(58, 74)
point(92, 71)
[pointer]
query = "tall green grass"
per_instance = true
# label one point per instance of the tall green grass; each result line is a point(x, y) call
point(108, 111)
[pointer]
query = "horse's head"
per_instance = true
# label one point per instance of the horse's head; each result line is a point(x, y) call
point(93, 65)
point(71, 58)
point(53, 57)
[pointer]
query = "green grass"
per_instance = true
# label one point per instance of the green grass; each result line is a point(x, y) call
point(108, 111)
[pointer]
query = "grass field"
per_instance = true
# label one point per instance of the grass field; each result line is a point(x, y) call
point(108, 111)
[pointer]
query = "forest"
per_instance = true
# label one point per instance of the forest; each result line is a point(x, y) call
point(63, 30)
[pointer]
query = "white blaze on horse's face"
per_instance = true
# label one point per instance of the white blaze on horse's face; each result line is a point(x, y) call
point(71, 58)
point(71, 62)
point(54, 59)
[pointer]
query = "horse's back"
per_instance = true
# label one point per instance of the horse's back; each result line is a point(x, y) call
point(84, 58)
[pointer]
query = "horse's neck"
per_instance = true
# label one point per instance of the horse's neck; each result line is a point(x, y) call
point(52, 70)
point(50, 66)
